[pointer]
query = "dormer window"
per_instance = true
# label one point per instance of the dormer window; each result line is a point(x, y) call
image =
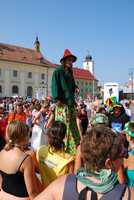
point(41, 60)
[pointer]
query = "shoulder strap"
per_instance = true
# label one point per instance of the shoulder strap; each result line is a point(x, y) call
point(70, 184)
point(115, 193)
point(20, 162)
point(83, 193)
point(129, 193)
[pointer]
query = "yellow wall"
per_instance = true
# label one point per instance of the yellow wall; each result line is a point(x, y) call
point(7, 80)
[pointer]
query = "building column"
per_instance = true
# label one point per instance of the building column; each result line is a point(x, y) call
point(36, 81)
point(7, 81)
point(22, 82)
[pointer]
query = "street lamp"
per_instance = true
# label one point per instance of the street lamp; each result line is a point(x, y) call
point(131, 73)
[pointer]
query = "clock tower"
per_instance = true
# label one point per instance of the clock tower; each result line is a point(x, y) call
point(37, 45)
point(88, 64)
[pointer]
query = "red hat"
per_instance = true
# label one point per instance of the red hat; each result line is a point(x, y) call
point(68, 53)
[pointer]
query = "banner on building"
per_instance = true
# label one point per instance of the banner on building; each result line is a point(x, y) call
point(41, 93)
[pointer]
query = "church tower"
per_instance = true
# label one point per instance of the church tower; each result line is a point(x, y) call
point(37, 45)
point(88, 64)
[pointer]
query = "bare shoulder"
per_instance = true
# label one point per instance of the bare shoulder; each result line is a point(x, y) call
point(31, 153)
point(54, 191)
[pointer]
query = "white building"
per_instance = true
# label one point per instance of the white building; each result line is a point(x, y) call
point(88, 64)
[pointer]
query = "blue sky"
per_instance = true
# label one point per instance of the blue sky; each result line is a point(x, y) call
point(104, 27)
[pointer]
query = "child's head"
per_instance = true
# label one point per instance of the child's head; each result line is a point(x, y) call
point(102, 110)
point(127, 105)
point(129, 128)
point(16, 132)
point(55, 134)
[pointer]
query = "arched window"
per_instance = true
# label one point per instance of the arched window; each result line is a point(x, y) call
point(29, 91)
point(15, 89)
point(0, 89)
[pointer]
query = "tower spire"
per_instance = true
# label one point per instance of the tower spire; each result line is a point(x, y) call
point(37, 44)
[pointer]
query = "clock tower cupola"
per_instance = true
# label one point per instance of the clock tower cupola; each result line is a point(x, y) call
point(37, 45)
point(88, 64)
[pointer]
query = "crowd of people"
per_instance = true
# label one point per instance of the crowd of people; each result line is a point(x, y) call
point(77, 156)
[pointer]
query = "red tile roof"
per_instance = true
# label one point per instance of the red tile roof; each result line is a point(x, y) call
point(23, 55)
point(81, 73)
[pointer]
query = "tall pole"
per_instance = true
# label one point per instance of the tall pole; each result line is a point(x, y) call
point(131, 72)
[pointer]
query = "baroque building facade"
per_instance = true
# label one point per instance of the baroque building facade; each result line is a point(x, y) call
point(23, 70)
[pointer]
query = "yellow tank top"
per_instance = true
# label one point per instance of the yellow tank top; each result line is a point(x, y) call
point(52, 164)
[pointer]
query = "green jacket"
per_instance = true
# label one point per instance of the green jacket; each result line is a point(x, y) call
point(63, 86)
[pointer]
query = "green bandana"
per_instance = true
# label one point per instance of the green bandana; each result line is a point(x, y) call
point(108, 178)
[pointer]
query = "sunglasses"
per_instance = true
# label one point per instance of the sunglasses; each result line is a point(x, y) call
point(3, 113)
point(125, 155)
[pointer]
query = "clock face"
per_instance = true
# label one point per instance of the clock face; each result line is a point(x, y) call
point(87, 67)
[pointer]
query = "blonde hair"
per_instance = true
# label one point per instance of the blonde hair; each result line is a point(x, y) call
point(16, 132)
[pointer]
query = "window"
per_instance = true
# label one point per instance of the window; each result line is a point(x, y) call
point(86, 90)
point(90, 90)
point(0, 89)
point(29, 74)
point(77, 82)
point(41, 60)
point(15, 89)
point(0, 72)
point(42, 76)
point(81, 83)
point(14, 73)
point(90, 84)
point(86, 83)
point(82, 90)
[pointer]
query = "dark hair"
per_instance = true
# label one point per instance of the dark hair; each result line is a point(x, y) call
point(55, 134)
point(83, 106)
point(26, 105)
point(131, 127)
point(127, 104)
point(101, 109)
point(99, 144)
